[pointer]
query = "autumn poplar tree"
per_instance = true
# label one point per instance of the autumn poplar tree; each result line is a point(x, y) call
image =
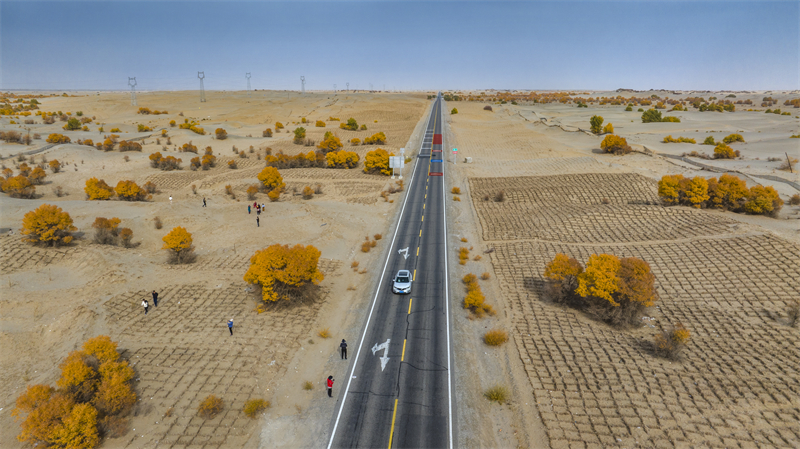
point(179, 244)
point(285, 273)
point(48, 225)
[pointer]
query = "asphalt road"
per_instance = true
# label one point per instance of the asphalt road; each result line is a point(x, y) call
point(407, 402)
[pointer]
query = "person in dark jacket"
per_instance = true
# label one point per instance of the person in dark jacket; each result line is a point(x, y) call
point(343, 345)
point(155, 298)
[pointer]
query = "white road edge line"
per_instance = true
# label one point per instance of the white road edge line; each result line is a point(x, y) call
point(378, 290)
point(447, 292)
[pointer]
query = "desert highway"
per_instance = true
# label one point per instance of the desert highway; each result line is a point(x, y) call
point(399, 393)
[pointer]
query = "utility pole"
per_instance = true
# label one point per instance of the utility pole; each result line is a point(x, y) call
point(348, 87)
point(302, 85)
point(370, 87)
point(247, 75)
point(201, 76)
point(132, 83)
point(334, 89)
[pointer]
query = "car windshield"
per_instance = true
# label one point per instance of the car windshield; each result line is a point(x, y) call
point(402, 279)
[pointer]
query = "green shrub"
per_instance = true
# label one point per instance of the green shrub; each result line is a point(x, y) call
point(733, 138)
point(254, 406)
point(596, 123)
point(651, 115)
point(497, 394)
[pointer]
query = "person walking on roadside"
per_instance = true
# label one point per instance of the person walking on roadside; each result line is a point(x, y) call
point(204, 201)
point(155, 298)
point(145, 305)
point(248, 209)
point(230, 326)
point(258, 223)
point(330, 386)
point(343, 345)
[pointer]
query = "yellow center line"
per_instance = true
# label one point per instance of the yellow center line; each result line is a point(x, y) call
point(403, 355)
point(415, 275)
point(394, 415)
point(423, 206)
point(418, 251)
point(420, 232)
point(423, 218)
point(409, 305)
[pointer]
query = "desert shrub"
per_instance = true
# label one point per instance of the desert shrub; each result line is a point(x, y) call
point(106, 230)
point(143, 128)
point(57, 138)
point(115, 130)
point(342, 159)
point(454, 111)
point(254, 406)
point(188, 147)
point(722, 151)
point(793, 314)
point(194, 163)
point(500, 196)
point(278, 125)
point(210, 407)
point(97, 189)
point(48, 225)
point(266, 133)
point(37, 176)
point(285, 273)
point(299, 135)
point(475, 300)
point(498, 393)
point(179, 244)
point(615, 144)
point(487, 108)
point(495, 337)
point(308, 193)
point(251, 192)
point(377, 161)
point(221, 134)
point(18, 187)
point(274, 195)
point(596, 123)
point(11, 136)
point(671, 119)
point(351, 124)
point(330, 143)
point(363, 127)
point(324, 333)
point(671, 342)
point(355, 141)
point(608, 129)
point(130, 191)
point(628, 109)
point(375, 139)
point(670, 139)
point(55, 166)
point(763, 200)
point(72, 124)
point(192, 126)
point(129, 146)
point(669, 189)
point(209, 160)
point(651, 115)
point(795, 199)
point(126, 237)
point(733, 138)
point(107, 145)
point(788, 164)
point(320, 124)
point(455, 191)
point(271, 179)
point(172, 123)
point(88, 142)
point(301, 160)
point(729, 192)
point(157, 223)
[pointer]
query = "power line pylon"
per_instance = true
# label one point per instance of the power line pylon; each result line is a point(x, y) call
point(302, 85)
point(348, 87)
point(201, 76)
point(132, 83)
point(247, 75)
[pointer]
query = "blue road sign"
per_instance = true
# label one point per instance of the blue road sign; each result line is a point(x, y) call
point(436, 160)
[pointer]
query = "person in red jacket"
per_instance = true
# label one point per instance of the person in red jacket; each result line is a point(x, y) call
point(330, 386)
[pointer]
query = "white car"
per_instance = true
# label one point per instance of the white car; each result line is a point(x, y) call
point(402, 282)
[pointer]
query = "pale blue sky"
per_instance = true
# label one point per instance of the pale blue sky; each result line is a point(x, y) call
point(403, 45)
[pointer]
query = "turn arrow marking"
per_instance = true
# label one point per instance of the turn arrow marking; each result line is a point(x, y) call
point(404, 252)
point(385, 347)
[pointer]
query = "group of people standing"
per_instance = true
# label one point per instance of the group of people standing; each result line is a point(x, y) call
point(258, 208)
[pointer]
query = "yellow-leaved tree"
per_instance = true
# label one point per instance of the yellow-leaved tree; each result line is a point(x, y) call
point(729, 192)
point(562, 273)
point(48, 225)
point(179, 244)
point(130, 191)
point(78, 430)
point(18, 187)
point(342, 159)
point(696, 192)
point(330, 143)
point(271, 179)
point(284, 272)
point(377, 161)
point(97, 189)
point(600, 277)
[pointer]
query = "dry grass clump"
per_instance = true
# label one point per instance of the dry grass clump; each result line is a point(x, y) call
point(456, 191)
point(495, 337)
point(463, 255)
point(354, 265)
point(613, 290)
point(157, 222)
point(477, 257)
point(487, 108)
point(324, 333)
point(254, 406)
point(500, 196)
point(793, 313)
point(475, 300)
point(455, 198)
point(210, 407)
point(671, 342)
point(486, 276)
point(377, 236)
point(168, 412)
point(670, 139)
point(789, 164)
point(498, 393)
point(464, 239)
point(795, 199)
point(308, 386)
point(308, 193)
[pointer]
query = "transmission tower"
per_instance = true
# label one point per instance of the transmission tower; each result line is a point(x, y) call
point(302, 85)
point(247, 75)
point(132, 83)
point(202, 75)
point(348, 87)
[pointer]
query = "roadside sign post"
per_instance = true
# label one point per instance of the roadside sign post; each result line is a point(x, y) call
point(396, 162)
point(455, 155)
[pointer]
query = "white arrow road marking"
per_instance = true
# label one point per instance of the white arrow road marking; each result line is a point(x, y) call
point(404, 252)
point(385, 347)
